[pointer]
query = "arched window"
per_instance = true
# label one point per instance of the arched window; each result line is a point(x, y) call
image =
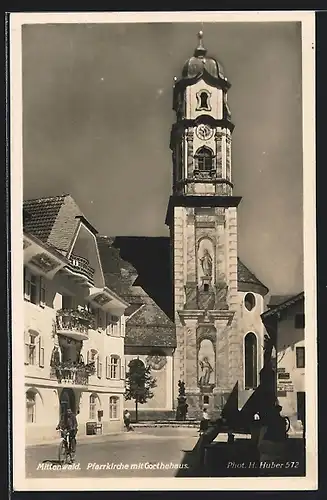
point(114, 407)
point(204, 159)
point(93, 406)
point(30, 407)
point(114, 367)
point(251, 361)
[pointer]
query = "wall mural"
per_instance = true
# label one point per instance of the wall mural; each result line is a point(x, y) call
point(206, 363)
point(44, 262)
point(101, 299)
point(156, 361)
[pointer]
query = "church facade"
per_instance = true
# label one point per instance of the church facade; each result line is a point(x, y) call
point(217, 300)
point(215, 335)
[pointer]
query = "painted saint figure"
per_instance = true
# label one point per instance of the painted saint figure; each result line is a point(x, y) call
point(206, 263)
point(206, 370)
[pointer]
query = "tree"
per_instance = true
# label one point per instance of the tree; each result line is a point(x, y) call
point(139, 383)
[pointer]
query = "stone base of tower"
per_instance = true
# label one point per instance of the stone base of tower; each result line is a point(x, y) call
point(213, 402)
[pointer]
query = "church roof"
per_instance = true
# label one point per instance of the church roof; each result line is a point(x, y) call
point(201, 65)
point(247, 281)
point(150, 326)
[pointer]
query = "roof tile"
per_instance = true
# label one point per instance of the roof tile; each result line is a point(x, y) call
point(41, 215)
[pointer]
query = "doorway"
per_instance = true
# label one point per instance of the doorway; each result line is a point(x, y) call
point(67, 400)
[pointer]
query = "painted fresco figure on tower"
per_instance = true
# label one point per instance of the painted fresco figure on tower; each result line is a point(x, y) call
point(206, 371)
point(206, 263)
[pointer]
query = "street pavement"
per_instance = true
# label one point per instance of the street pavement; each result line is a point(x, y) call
point(148, 452)
point(154, 452)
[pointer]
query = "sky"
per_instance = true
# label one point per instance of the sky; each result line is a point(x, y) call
point(97, 114)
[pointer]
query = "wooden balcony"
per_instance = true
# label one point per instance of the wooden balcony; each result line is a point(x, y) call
point(81, 270)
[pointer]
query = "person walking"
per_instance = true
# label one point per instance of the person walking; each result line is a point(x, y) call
point(127, 421)
point(204, 424)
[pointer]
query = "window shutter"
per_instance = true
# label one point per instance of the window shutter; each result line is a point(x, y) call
point(27, 346)
point(27, 285)
point(41, 352)
point(107, 323)
point(122, 371)
point(107, 367)
point(42, 292)
point(99, 367)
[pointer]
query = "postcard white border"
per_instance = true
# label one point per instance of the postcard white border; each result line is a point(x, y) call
point(20, 483)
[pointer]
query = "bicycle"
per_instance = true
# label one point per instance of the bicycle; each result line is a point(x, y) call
point(65, 454)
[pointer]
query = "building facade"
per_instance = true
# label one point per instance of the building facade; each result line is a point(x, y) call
point(74, 324)
point(217, 300)
point(285, 323)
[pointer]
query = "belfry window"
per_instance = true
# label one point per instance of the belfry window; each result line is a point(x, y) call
point(203, 98)
point(250, 359)
point(204, 159)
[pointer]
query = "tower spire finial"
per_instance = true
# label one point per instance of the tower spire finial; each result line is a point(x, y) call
point(200, 50)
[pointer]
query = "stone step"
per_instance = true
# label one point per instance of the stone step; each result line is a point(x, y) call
point(170, 423)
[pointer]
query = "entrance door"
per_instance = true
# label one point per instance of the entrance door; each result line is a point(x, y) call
point(67, 400)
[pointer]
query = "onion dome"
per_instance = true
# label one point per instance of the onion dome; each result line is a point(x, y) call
point(200, 63)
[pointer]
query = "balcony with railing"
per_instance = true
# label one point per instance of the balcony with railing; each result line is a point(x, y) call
point(74, 323)
point(69, 373)
point(81, 269)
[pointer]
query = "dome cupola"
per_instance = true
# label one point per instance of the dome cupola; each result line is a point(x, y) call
point(200, 63)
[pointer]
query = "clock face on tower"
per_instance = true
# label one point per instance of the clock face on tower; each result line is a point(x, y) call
point(204, 132)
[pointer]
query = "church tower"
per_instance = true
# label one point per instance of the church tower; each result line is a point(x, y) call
point(202, 217)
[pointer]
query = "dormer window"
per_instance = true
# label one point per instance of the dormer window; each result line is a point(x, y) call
point(203, 98)
point(204, 160)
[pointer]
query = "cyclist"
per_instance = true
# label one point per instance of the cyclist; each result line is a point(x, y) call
point(68, 423)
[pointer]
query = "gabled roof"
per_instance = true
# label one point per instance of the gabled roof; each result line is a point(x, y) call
point(282, 306)
point(41, 214)
point(275, 300)
point(149, 326)
point(247, 281)
point(54, 220)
